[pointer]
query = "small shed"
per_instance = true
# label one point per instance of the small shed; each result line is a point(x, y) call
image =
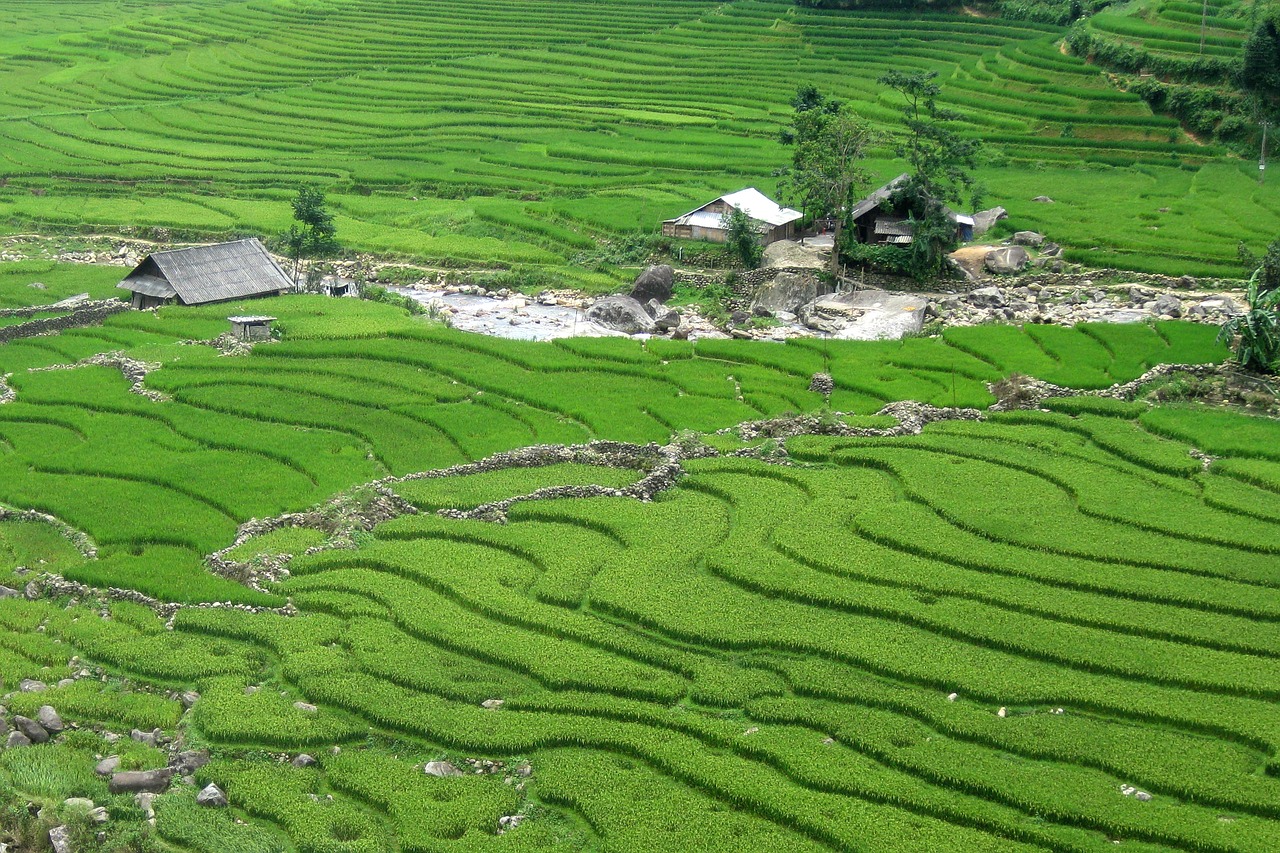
point(242, 269)
point(252, 328)
point(877, 220)
point(707, 222)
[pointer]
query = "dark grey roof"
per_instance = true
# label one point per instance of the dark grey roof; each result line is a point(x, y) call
point(894, 227)
point(874, 200)
point(150, 285)
point(215, 273)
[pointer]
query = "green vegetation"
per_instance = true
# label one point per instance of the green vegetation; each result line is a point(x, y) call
point(764, 656)
point(203, 120)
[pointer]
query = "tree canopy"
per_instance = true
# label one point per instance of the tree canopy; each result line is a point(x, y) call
point(314, 234)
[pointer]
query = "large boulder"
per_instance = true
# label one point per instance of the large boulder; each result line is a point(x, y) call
point(47, 717)
point(35, 732)
point(788, 254)
point(1007, 260)
point(654, 283)
point(440, 769)
point(984, 219)
point(140, 781)
point(1028, 238)
point(787, 292)
point(665, 319)
point(622, 314)
point(1167, 304)
point(211, 796)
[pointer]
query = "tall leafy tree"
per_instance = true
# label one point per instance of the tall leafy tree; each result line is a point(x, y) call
point(830, 143)
point(942, 163)
point(313, 234)
point(743, 237)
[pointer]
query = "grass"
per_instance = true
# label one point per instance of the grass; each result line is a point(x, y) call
point(109, 124)
point(763, 653)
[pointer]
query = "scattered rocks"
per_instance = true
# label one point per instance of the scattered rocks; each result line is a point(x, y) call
point(1131, 791)
point(823, 384)
point(211, 796)
point(441, 769)
point(987, 297)
point(140, 781)
point(509, 822)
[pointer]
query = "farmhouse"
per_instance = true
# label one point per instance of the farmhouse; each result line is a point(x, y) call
point(204, 274)
point(706, 223)
point(875, 220)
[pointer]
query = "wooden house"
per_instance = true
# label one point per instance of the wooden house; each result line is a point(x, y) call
point(205, 274)
point(877, 220)
point(707, 222)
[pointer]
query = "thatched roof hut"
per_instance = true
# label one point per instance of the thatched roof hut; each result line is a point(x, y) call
point(202, 274)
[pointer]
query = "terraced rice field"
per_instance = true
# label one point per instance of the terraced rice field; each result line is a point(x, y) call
point(1051, 630)
point(519, 134)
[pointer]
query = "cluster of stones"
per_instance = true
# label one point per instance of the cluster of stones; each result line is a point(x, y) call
point(134, 371)
point(1068, 305)
point(911, 419)
point(1033, 392)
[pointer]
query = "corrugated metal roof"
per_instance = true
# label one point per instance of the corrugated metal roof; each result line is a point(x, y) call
point(750, 201)
point(895, 227)
point(214, 273)
point(876, 198)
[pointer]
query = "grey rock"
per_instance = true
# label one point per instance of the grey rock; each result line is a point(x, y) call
point(822, 383)
point(144, 801)
point(984, 219)
point(65, 682)
point(47, 717)
point(654, 283)
point(652, 307)
point(987, 297)
point(1007, 260)
point(787, 292)
point(621, 313)
point(1050, 250)
point(524, 770)
point(442, 769)
point(1043, 199)
point(189, 762)
point(17, 739)
point(8, 592)
point(98, 814)
point(492, 704)
point(1028, 238)
point(788, 254)
point(80, 804)
point(305, 707)
point(35, 732)
point(665, 319)
point(1142, 795)
point(1168, 304)
point(188, 698)
point(140, 781)
point(33, 590)
point(1186, 282)
point(303, 760)
point(60, 839)
point(211, 796)
point(108, 765)
point(30, 685)
point(149, 738)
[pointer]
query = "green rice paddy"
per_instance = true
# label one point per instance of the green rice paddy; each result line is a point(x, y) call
point(505, 134)
point(977, 638)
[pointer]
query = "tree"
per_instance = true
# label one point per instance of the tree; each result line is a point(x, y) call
point(1260, 69)
point(1255, 335)
point(743, 237)
point(942, 164)
point(830, 143)
point(313, 234)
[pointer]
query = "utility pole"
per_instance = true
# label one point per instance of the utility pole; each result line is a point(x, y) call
point(1203, 23)
point(1262, 158)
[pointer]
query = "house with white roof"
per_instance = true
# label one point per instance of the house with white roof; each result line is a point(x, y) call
point(707, 222)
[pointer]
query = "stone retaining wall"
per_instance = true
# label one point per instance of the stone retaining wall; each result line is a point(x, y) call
point(91, 313)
